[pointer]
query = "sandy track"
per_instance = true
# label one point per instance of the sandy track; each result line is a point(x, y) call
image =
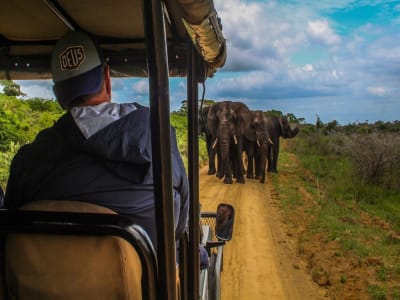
point(260, 262)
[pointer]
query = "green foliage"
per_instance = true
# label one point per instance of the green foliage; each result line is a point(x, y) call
point(42, 105)
point(293, 119)
point(20, 122)
point(10, 88)
point(273, 112)
point(183, 108)
point(333, 127)
point(5, 160)
point(179, 121)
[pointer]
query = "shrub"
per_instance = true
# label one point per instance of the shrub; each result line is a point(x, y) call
point(5, 161)
point(375, 157)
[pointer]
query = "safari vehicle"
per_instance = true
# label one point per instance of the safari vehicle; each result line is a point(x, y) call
point(72, 250)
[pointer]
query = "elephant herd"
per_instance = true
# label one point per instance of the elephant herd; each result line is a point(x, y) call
point(231, 128)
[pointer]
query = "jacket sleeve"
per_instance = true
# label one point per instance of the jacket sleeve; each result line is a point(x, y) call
point(180, 188)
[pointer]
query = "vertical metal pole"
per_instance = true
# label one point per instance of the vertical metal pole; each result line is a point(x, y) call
point(193, 151)
point(157, 62)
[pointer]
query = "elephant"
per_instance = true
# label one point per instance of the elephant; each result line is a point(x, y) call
point(203, 129)
point(256, 146)
point(228, 122)
point(278, 127)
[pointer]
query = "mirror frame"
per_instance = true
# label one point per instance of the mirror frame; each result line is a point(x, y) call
point(225, 218)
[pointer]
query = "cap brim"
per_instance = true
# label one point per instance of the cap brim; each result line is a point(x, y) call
point(88, 83)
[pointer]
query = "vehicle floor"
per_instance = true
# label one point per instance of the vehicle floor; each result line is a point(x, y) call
point(261, 260)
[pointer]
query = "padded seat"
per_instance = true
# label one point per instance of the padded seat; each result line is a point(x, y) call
point(47, 266)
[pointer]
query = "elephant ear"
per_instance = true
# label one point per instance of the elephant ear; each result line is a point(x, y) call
point(250, 133)
point(212, 120)
point(244, 118)
point(203, 119)
point(265, 121)
point(281, 125)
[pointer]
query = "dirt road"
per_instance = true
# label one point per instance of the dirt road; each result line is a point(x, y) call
point(260, 262)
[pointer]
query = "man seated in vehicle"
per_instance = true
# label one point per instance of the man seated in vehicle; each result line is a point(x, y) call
point(98, 151)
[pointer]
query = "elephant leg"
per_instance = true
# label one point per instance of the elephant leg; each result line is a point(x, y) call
point(269, 159)
point(228, 180)
point(263, 161)
point(250, 164)
point(211, 155)
point(238, 158)
point(211, 164)
point(275, 155)
point(262, 179)
point(239, 172)
point(220, 168)
point(225, 158)
point(258, 167)
point(226, 166)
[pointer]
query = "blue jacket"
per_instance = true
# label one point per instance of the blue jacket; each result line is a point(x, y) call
point(111, 167)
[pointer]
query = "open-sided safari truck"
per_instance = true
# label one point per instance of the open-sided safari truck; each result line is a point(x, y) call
point(72, 250)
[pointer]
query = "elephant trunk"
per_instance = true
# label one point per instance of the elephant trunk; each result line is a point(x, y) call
point(263, 160)
point(224, 147)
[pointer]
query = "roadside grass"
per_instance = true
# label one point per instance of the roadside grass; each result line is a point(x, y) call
point(364, 219)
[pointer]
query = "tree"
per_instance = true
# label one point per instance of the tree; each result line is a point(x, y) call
point(183, 108)
point(11, 88)
point(319, 124)
point(273, 112)
point(331, 127)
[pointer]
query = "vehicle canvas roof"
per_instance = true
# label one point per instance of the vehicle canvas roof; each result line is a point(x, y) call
point(29, 30)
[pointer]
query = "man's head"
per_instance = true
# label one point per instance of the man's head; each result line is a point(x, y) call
point(77, 66)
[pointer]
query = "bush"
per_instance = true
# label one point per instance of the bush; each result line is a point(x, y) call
point(5, 161)
point(375, 157)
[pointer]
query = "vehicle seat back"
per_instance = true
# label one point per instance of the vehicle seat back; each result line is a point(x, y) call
point(47, 266)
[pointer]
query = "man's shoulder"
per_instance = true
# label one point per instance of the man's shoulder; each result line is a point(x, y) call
point(50, 138)
point(139, 118)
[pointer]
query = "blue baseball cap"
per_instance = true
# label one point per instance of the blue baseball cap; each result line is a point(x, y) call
point(77, 67)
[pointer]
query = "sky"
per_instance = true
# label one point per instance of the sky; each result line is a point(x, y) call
point(335, 59)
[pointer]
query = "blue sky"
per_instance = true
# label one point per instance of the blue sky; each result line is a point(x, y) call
point(338, 59)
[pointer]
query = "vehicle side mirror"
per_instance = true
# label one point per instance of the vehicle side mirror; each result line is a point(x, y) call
point(1, 197)
point(224, 222)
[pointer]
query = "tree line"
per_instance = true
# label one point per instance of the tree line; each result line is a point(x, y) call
point(22, 119)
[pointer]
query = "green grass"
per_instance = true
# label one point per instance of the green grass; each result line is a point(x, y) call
point(343, 202)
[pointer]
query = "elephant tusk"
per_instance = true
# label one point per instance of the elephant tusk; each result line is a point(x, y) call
point(258, 143)
point(270, 141)
point(215, 143)
point(235, 139)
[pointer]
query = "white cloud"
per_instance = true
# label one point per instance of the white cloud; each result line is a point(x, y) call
point(141, 87)
point(377, 90)
point(320, 30)
point(286, 50)
point(291, 50)
point(308, 67)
